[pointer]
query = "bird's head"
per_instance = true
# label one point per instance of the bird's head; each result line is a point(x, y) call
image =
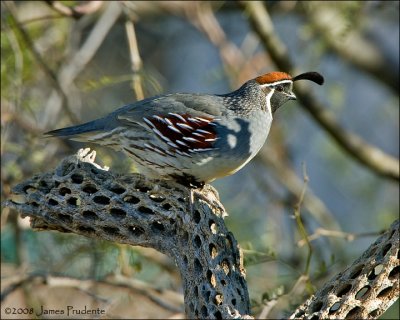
point(278, 86)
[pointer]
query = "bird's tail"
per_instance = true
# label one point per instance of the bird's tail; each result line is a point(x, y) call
point(79, 132)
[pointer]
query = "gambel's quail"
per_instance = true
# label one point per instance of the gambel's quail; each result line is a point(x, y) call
point(193, 138)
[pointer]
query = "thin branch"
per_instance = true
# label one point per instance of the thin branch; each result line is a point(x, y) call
point(48, 72)
point(72, 68)
point(321, 232)
point(136, 61)
point(369, 156)
point(77, 11)
point(350, 45)
point(299, 222)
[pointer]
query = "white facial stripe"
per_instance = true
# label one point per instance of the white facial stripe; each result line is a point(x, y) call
point(268, 99)
point(275, 83)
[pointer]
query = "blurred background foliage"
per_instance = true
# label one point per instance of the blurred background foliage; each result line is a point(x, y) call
point(71, 61)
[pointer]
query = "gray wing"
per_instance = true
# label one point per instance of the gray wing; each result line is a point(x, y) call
point(196, 105)
point(200, 105)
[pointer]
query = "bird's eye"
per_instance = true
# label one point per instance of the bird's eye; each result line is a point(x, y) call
point(279, 88)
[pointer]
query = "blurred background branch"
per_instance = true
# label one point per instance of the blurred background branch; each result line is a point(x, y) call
point(368, 155)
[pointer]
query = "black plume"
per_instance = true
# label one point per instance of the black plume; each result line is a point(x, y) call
point(312, 76)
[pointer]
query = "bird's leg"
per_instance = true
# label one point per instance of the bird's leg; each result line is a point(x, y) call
point(197, 193)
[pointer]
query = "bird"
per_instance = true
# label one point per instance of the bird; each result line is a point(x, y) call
point(193, 138)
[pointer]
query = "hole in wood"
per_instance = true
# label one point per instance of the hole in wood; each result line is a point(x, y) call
point(136, 231)
point(144, 189)
point(29, 189)
point(64, 218)
point(89, 215)
point(219, 299)
point(117, 189)
point(101, 200)
point(196, 216)
point(357, 271)
point(362, 292)
point(86, 229)
point(386, 249)
point(385, 292)
point(211, 278)
point(213, 226)
point(52, 202)
point(213, 250)
point(145, 210)
point(117, 213)
point(131, 199)
point(77, 178)
point(394, 274)
point(73, 201)
point(218, 315)
point(198, 268)
point(317, 305)
point(197, 241)
point(353, 313)
point(43, 184)
point(204, 312)
point(375, 272)
point(111, 230)
point(156, 198)
point(225, 266)
point(334, 308)
point(344, 290)
point(166, 206)
point(157, 226)
point(63, 191)
point(89, 188)
point(374, 313)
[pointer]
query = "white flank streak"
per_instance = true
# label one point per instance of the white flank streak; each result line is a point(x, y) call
point(168, 122)
point(214, 139)
point(181, 143)
point(204, 120)
point(148, 146)
point(178, 116)
point(172, 144)
point(198, 134)
point(159, 151)
point(191, 139)
point(159, 118)
point(204, 131)
point(202, 150)
point(149, 123)
point(193, 120)
point(158, 133)
point(174, 129)
point(185, 126)
point(182, 153)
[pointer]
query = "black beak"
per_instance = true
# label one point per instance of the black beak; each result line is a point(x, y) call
point(312, 76)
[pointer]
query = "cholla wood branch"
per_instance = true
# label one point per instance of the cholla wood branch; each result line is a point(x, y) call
point(80, 197)
point(365, 290)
